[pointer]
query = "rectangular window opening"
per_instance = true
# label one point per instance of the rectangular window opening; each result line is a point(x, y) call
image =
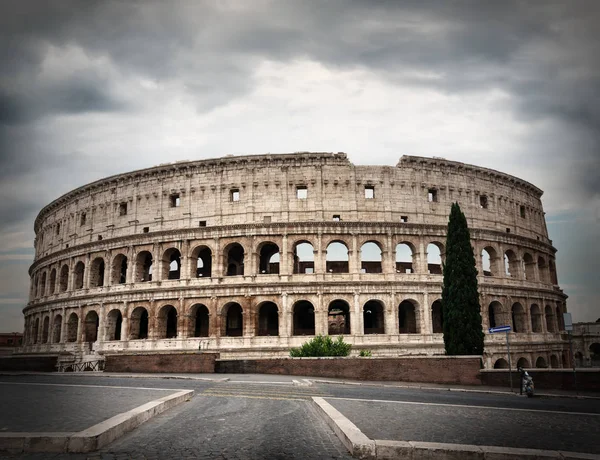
point(404, 219)
point(507, 230)
point(267, 219)
point(234, 194)
point(146, 229)
point(369, 192)
point(522, 211)
point(336, 218)
point(123, 209)
point(83, 219)
point(175, 200)
point(432, 195)
point(483, 201)
point(202, 223)
point(58, 229)
point(302, 192)
point(99, 237)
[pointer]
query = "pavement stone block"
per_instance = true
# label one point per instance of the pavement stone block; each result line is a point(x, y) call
point(397, 450)
point(442, 451)
point(512, 453)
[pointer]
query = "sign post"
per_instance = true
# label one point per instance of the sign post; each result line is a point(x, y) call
point(507, 329)
point(569, 328)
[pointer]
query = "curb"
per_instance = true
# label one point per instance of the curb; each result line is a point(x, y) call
point(94, 437)
point(360, 446)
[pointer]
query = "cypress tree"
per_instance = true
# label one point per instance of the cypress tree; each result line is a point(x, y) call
point(463, 333)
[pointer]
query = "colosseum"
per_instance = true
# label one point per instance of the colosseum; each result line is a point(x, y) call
point(251, 255)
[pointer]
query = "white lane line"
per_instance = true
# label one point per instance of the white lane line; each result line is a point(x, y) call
point(515, 409)
point(88, 386)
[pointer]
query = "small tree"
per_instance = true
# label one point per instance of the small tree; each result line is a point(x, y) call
point(463, 333)
point(321, 346)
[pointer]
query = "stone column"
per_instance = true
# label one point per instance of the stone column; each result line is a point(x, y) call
point(320, 316)
point(79, 326)
point(86, 277)
point(388, 256)
point(217, 260)
point(421, 262)
point(63, 326)
point(426, 327)
point(320, 255)
point(357, 326)
point(101, 324)
point(284, 264)
point(285, 318)
point(353, 257)
point(182, 321)
point(71, 276)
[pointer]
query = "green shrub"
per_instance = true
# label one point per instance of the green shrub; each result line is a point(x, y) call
point(365, 354)
point(322, 346)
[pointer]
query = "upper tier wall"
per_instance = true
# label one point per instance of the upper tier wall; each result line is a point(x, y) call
point(182, 195)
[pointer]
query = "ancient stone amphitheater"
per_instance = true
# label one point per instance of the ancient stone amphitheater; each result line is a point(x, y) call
point(251, 255)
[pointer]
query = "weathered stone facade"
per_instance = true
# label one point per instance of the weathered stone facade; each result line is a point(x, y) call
point(231, 255)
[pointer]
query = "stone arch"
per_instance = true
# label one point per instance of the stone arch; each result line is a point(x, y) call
point(511, 264)
point(373, 317)
point(201, 261)
point(549, 313)
point(63, 284)
point(268, 258)
point(144, 267)
point(199, 320)
point(435, 257)
point(119, 269)
point(72, 325)
point(437, 317)
point(53, 281)
point(536, 318)
point(56, 328)
point(554, 362)
point(78, 273)
point(560, 320)
point(495, 314)
point(489, 261)
point(370, 257)
point(540, 363)
point(46, 329)
point(338, 317)
point(90, 326)
point(529, 267)
point(408, 317)
point(166, 322)
point(405, 257)
point(519, 318)
point(171, 264)
point(337, 258)
point(114, 324)
point(97, 268)
point(43, 284)
point(552, 271)
point(304, 257)
point(268, 319)
point(501, 363)
point(543, 270)
point(36, 330)
point(304, 318)
point(523, 362)
point(138, 324)
point(234, 259)
point(233, 326)
point(595, 354)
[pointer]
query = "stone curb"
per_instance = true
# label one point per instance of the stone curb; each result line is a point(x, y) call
point(360, 446)
point(95, 437)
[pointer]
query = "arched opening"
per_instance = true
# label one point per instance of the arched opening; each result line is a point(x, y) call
point(550, 319)
point(524, 363)
point(434, 258)
point(304, 258)
point(540, 363)
point(119, 269)
point(201, 261)
point(167, 322)
point(560, 319)
point(114, 323)
point(268, 319)
point(552, 270)
point(45, 329)
point(234, 320)
point(542, 270)
point(529, 265)
point(43, 285)
point(501, 364)
point(138, 324)
point(199, 320)
point(97, 273)
point(554, 362)
point(595, 354)
point(408, 317)
point(511, 264)
point(143, 266)
point(519, 318)
point(64, 278)
point(234, 260)
point(489, 261)
point(56, 328)
point(304, 318)
point(171, 264)
point(90, 327)
point(536, 318)
point(373, 318)
point(36, 330)
point(72, 324)
point(268, 263)
point(35, 286)
point(437, 317)
point(338, 317)
point(78, 275)
point(337, 258)
point(370, 258)
point(495, 314)
point(405, 261)
point(53, 281)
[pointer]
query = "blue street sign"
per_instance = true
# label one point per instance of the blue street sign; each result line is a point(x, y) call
point(499, 329)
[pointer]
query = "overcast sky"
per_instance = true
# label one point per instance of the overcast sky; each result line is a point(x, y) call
point(89, 89)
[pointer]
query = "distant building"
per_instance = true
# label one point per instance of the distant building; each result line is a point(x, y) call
point(10, 340)
point(586, 344)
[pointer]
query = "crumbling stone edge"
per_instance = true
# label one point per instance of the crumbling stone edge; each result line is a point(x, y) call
point(360, 446)
point(94, 437)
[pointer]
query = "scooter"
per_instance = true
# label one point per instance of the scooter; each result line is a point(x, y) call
point(527, 383)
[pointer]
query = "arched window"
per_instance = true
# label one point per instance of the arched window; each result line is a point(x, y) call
point(501, 364)
point(489, 261)
point(114, 323)
point(543, 270)
point(304, 258)
point(72, 324)
point(234, 320)
point(519, 318)
point(201, 261)
point(167, 322)
point(199, 320)
point(338, 318)
point(56, 328)
point(78, 272)
point(171, 264)
point(408, 317)
point(552, 270)
point(234, 260)
point(268, 319)
point(511, 264)
point(437, 317)
point(370, 258)
point(550, 319)
point(304, 318)
point(536, 318)
point(138, 324)
point(337, 258)
point(541, 363)
point(268, 263)
point(36, 330)
point(46, 330)
point(64, 278)
point(373, 318)
point(524, 363)
point(405, 258)
point(434, 258)
point(119, 269)
point(97, 273)
point(43, 285)
point(495, 314)
point(90, 327)
point(143, 267)
point(529, 266)
point(53, 280)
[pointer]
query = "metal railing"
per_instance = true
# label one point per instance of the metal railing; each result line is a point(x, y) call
point(89, 366)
